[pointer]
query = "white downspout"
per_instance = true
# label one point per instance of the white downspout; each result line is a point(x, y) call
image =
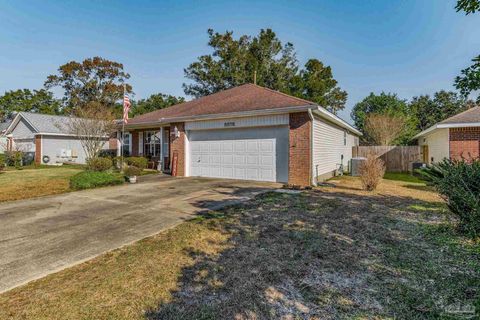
point(314, 180)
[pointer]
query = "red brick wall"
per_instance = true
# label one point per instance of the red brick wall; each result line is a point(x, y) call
point(178, 145)
point(465, 142)
point(38, 149)
point(113, 142)
point(300, 162)
point(134, 143)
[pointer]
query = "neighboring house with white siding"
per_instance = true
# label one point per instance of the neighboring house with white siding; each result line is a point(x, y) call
point(47, 137)
point(247, 132)
point(3, 138)
point(457, 137)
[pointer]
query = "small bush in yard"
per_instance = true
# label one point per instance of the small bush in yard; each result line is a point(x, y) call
point(117, 162)
point(459, 184)
point(132, 171)
point(3, 160)
point(14, 158)
point(371, 172)
point(138, 162)
point(93, 179)
point(99, 164)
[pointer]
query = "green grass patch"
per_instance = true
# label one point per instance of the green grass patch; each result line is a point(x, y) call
point(401, 176)
point(93, 179)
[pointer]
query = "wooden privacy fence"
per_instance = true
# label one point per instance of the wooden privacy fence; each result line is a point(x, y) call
point(396, 158)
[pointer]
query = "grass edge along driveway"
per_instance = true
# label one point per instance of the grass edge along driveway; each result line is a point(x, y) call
point(324, 254)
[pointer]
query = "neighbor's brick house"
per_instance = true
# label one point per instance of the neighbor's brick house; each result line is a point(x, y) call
point(247, 132)
point(457, 137)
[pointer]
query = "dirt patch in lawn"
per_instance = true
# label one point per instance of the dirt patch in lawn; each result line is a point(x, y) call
point(329, 253)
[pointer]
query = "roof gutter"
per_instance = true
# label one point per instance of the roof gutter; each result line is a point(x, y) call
point(239, 114)
point(333, 118)
point(314, 108)
point(446, 126)
point(65, 135)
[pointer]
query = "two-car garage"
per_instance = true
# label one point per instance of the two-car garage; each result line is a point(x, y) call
point(259, 153)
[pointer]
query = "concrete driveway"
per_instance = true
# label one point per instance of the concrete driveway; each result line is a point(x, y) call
point(44, 235)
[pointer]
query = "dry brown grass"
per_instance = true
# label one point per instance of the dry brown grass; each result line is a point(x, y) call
point(330, 253)
point(30, 183)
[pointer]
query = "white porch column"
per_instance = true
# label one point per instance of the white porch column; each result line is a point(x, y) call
point(119, 144)
point(161, 149)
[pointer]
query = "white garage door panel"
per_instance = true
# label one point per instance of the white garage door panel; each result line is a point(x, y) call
point(219, 154)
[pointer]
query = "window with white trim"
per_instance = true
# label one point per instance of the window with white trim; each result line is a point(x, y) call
point(126, 143)
point(151, 144)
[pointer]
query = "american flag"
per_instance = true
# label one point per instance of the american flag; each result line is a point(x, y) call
point(126, 107)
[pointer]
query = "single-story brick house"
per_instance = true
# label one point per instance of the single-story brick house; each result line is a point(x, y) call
point(454, 138)
point(46, 138)
point(246, 132)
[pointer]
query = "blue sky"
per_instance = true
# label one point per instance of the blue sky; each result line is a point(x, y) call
point(410, 47)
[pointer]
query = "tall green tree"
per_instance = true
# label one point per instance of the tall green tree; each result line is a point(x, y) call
point(94, 80)
point(316, 83)
point(154, 102)
point(41, 101)
point(469, 6)
point(443, 105)
point(384, 104)
point(469, 79)
point(235, 62)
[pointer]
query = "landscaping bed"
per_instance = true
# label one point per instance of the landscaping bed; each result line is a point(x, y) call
point(329, 253)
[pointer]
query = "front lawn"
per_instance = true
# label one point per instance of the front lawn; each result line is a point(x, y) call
point(35, 182)
point(330, 253)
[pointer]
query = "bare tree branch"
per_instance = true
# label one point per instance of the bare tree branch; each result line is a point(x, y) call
point(383, 129)
point(93, 126)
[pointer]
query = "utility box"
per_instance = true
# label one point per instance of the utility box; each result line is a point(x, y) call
point(356, 164)
point(416, 166)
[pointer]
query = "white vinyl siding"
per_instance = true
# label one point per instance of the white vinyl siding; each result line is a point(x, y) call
point(438, 145)
point(259, 121)
point(64, 149)
point(329, 144)
point(23, 130)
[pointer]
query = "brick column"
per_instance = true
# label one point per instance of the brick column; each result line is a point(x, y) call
point(300, 162)
point(464, 143)
point(134, 143)
point(178, 145)
point(38, 149)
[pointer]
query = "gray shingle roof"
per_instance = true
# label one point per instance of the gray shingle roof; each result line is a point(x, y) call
point(4, 126)
point(46, 123)
point(470, 116)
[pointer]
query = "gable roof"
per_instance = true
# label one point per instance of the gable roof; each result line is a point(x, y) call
point(471, 115)
point(244, 98)
point(468, 118)
point(42, 123)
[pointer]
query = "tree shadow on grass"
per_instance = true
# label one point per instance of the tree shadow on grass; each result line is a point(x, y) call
point(313, 256)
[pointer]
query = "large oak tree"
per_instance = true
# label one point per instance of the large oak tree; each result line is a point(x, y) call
point(265, 60)
point(94, 80)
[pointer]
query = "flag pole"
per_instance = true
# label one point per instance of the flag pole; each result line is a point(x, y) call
point(123, 125)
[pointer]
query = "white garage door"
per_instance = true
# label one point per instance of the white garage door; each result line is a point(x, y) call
point(247, 154)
